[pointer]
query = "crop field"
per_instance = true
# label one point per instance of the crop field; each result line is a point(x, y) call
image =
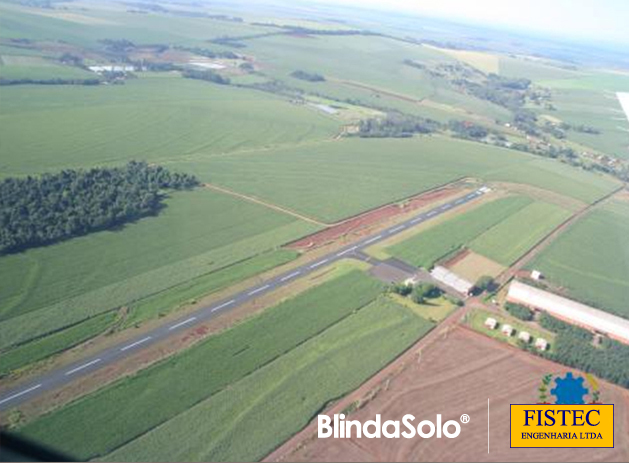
point(126, 409)
point(534, 69)
point(256, 414)
point(457, 374)
point(591, 259)
point(57, 342)
point(427, 247)
point(557, 177)
point(599, 109)
point(335, 180)
point(86, 28)
point(33, 67)
point(198, 232)
point(472, 266)
point(153, 118)
point(511, 238)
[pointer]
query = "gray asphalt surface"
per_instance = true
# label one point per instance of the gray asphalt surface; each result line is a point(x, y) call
point(61, 376)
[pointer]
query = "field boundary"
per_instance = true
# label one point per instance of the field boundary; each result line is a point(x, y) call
point(261, 202)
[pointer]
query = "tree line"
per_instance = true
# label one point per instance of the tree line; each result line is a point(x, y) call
point(574, 347)
point(396, 125)
point(35, 211)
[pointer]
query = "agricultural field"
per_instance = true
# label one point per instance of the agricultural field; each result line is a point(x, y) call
point(125, 410)
point(256, 414)
point(157, 118)
point(511, 238)
point(198, 232)
point(590, 260)
point(501, 230)
point(369, 173)
point(36, 68)
point(440, 240)
point(456, 374)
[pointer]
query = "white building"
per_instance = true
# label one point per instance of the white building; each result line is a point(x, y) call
point(524, 336)
point(541, 344)
point(536, 275)
point(491, 323)
point(111, 68)
point(507, 330)
point(569, 310)
point(448, 278)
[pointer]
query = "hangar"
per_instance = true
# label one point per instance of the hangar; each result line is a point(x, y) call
point(580, 314)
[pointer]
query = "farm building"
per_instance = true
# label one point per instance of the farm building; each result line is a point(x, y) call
point(452, 280)
point(536, 275)
point(541, 344)
point(569, 310)
point(112, 68)
point(507, 330)
point(491, 323)
point(524, 336)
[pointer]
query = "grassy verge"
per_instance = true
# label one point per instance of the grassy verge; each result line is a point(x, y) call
point(188, 292)
point(42, 348)
point(434, 310)
point(255, 415)
point(134, 405)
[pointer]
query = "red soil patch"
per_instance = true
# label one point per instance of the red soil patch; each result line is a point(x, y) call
point(453, 376)
point(455, 259)
point(361, 222)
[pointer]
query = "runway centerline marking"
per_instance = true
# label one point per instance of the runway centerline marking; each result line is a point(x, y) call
point(321, 262)
point(185, 322)
point(82, 367)
point(288, 277)
point(21, 393)
point(137, 343)
point(222, 306)
point(256, 291)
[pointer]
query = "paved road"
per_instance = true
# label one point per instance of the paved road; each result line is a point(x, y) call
point(57, 378)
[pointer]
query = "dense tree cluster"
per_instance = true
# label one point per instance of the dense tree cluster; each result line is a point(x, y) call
point(39, 210)
point(574, 348)
point(207, 75)
point(209, 53)
point(467, 129)
point(396, 126)
point(559, 326)
point(55, 81)
point(510, 93)
point(308, 76)
point(519, 311)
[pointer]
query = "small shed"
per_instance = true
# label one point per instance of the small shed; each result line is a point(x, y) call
point(536, 275)
point(541, 344)
point(507, 330)
point(524, 336)
point(491, 323)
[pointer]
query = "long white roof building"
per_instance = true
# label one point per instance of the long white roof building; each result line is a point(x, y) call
point(452, 280)
point(567, 309)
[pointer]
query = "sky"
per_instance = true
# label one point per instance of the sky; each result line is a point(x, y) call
point(605, 20)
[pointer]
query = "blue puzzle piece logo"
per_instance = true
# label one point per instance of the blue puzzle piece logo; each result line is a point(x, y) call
point(569, 390)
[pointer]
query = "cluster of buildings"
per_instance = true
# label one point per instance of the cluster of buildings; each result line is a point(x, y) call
point(507, 330)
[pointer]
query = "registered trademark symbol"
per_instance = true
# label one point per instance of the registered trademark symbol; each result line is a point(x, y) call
point(465, 418)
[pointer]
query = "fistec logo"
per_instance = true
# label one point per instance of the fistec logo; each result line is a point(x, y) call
point(569, 422)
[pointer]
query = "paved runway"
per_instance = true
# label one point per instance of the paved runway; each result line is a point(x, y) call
point(58, 377)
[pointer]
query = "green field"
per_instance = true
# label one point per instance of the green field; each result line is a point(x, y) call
point(36, 68)
point(591, 259)
point(258, 413)
point(510, 239)
point(125, 410)
point(334, 180)
point(42, 348)
point(153, 118)
point(198, 232)
point(429, 246)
